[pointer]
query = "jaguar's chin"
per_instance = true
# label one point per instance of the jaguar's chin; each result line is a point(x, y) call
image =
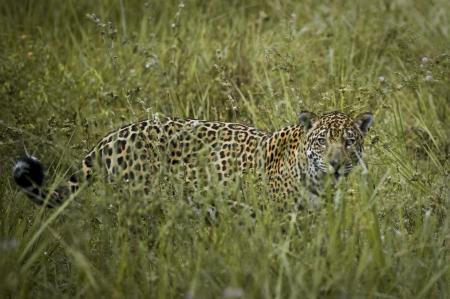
point(336, 175)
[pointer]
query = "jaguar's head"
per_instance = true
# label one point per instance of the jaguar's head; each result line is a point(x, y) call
point(333, 144)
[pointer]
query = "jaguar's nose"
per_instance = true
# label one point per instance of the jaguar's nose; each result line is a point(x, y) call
point(335, 159)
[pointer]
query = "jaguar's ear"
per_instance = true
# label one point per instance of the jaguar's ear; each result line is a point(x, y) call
point(306, 119)
point(364, 121)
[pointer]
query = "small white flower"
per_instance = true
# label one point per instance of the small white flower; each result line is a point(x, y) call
point(424, 59)
point(231, 292)
point(219, 54)
point(8, 244)
point(189, 295)
point(428, 78)
point(381, 79)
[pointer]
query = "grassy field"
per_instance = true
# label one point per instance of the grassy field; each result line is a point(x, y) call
point(70, 71)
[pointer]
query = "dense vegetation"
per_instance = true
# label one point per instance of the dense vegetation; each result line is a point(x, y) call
point(72, 70)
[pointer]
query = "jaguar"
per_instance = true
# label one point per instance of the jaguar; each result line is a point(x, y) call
point(295, 159)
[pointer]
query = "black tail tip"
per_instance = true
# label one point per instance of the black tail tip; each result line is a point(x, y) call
point(28, 171)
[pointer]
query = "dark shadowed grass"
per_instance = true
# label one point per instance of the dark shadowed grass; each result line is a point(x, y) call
point(70, 71)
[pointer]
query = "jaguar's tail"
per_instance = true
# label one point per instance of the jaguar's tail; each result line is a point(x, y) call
point(28, 173)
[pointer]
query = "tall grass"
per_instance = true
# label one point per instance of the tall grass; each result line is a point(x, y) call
point(72, 70)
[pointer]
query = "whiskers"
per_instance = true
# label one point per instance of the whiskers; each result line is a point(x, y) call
point(347, 168)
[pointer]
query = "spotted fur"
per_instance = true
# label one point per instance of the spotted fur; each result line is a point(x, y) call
point(297, 158)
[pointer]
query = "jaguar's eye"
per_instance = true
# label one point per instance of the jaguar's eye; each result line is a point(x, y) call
point(349, 141)
point(322, 141)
